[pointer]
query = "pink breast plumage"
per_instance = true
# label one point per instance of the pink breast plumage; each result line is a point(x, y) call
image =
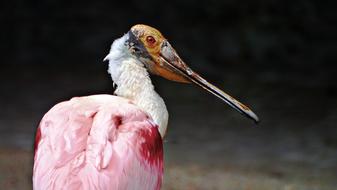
point(97, 142)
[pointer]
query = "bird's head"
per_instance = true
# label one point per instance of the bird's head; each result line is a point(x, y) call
point(152, 49)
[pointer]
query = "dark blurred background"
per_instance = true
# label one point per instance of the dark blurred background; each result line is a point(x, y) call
point(278, 57)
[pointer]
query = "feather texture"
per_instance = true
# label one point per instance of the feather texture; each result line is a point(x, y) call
point(97, 142)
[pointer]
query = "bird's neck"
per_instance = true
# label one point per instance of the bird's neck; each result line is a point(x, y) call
point(133, 82)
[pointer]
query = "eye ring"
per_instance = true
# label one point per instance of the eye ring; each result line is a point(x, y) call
point(150, 40)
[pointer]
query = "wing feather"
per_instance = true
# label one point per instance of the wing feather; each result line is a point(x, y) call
point(97, 142)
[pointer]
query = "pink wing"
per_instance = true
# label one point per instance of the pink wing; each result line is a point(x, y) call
point(97, 142)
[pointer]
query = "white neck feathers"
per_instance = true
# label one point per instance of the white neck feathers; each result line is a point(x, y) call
point(133, 82)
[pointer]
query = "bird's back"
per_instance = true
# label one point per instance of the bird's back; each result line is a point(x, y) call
point(97, 142)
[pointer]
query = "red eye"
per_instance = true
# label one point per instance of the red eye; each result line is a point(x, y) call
point(150, 40)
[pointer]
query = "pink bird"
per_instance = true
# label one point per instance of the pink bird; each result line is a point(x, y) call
point(115, 142)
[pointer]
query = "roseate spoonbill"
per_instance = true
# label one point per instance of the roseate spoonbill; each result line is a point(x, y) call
point(115, 142)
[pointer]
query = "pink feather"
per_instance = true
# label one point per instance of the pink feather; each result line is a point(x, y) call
point(97, 142)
